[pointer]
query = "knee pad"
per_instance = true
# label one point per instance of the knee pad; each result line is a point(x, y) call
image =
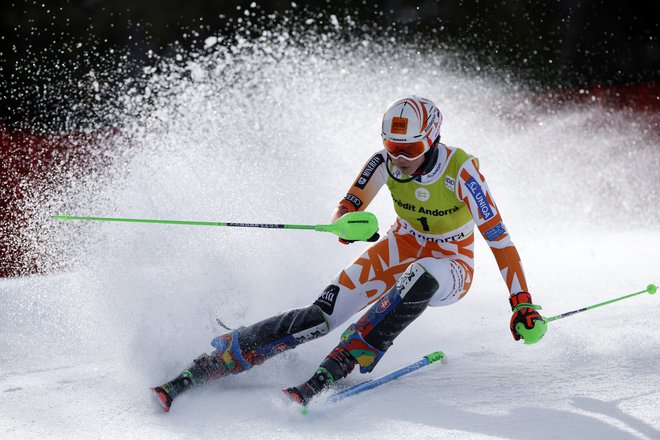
point(387, 318)
point(454, 276)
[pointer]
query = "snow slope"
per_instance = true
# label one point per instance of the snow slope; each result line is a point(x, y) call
point(593, 376)
point(233, 136)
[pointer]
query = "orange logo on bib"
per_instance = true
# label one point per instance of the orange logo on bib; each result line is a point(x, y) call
point(399, 125)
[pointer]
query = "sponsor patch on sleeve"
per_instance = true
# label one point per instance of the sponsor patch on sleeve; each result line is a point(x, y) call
point(478, 195)
point(495, 232)
point(353, 200)
point(368, 171)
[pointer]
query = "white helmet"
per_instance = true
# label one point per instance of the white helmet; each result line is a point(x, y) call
point(411, 126)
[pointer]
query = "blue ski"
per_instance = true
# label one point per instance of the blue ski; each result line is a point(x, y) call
point(373, 383)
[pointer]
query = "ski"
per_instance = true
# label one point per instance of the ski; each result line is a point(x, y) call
point(373, 383)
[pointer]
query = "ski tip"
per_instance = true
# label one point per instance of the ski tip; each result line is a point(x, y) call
point(162, 398)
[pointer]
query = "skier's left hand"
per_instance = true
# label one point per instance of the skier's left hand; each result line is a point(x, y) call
point(524, 312)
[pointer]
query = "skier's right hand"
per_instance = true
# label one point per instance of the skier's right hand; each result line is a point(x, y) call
point(373, 238)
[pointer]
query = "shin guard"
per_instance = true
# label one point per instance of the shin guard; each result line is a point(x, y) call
point(366, 341)
point(285, 331)
point(241, 349)
point(374, 333)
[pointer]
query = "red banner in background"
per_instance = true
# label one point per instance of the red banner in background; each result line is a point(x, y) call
point(28, 162)
point(641, 100)
point(637, 105)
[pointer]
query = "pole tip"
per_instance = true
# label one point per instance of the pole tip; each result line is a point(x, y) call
point(651, 288)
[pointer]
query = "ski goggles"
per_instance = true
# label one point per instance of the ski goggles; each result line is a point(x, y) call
point(406, 150)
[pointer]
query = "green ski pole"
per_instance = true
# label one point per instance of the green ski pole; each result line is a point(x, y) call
point(373, 383)
point(533, 335)
point(352, 226)
point(650, 289)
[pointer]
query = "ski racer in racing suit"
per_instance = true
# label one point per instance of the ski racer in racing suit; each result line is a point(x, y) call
point(425, 259)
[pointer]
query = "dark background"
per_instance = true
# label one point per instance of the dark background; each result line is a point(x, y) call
point(556, 44)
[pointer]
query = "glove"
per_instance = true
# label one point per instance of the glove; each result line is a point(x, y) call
point(373, 238)
point(525, 313)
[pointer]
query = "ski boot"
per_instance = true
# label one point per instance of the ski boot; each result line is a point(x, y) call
point(241, 349)
point(227, 359)
point(166, 393)
point(337, 365)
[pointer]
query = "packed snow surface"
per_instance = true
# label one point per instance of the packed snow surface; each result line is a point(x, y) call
point(233, 135)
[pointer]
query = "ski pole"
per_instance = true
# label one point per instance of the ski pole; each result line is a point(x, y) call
point(650, 289)
point(358, 226)
point(373, 383)
point(535, 334)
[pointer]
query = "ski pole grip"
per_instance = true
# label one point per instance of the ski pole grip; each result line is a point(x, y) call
point(532, 335)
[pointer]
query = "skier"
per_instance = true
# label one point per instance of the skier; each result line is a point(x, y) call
point(425, 259)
